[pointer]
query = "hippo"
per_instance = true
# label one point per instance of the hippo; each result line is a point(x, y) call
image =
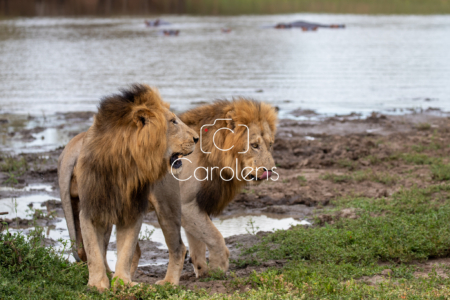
point(171, 32)
point(155, 23)
point(306, 26)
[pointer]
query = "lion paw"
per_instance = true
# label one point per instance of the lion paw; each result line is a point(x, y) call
point(101, 286)
point(163, 282)
point(124, 283)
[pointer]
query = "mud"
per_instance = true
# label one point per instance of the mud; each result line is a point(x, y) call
point(314, 155)
point(151, 274)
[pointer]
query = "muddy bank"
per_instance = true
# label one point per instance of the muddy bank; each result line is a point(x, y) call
point(151, 274)
point(314, 158)
point(304, 151)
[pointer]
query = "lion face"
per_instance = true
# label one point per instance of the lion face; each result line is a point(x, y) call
point(236, 144)
point(181, 142)
point(257, 162)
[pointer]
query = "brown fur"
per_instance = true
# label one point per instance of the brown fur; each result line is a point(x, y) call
point(123, 155)
point(107, 173)
point(215, 195)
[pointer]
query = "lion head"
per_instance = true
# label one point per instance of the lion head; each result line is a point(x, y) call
point(133, 142)
point(236, 139)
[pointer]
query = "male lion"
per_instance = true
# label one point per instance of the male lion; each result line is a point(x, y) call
point(233, 152)
point(107, 174)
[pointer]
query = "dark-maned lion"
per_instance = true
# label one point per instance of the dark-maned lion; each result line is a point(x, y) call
point(245, 127)
point(107, 174)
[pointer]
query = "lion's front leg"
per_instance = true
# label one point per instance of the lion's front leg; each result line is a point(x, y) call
point(197, 253)
point(107, 237)
point(135, 260)
point(127, 237)
point(202, 230)
point(93, 238)
point(80, 246)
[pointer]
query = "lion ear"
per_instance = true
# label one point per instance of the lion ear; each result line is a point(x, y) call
point(142, 117)
point(276, 109)
point(231, 115)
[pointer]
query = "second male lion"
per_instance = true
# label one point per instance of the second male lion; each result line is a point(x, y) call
point(107, 174)
point(233, 152)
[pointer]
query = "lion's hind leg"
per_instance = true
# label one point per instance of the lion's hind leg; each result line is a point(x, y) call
point(169, 218)
point(127, 238)
point(93, 238)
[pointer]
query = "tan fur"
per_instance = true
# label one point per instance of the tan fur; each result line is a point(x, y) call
point(260, 118)
point(106, 176)
point(200, 199)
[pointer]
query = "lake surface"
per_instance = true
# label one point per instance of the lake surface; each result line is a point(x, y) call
point(380, 63)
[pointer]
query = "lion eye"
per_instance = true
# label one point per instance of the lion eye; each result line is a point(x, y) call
point(255, 146)
point(270, 145)
point(174, 121)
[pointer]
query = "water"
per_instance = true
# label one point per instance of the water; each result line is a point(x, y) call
point(58, 232)
point(54, 131)
point(50, 65)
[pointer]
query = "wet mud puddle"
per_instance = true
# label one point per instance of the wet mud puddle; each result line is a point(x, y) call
point(30, 134)
point(41, 208)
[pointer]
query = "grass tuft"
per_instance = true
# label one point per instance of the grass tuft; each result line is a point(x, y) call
point(440, 172)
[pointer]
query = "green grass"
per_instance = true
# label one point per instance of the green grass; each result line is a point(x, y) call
point(416, 157)
point(415, 229)
point(30, 271)
point(214, 275)
point(423, 126)
point(302, 180)
point(419, 159)
point(347, 163)
point(432, 146)
point(362, 175)
point(337, 178)
point(13, 166)
point(440, 172)
point(325, 262)
point(231, 7)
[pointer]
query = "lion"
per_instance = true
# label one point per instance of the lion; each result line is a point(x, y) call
point(236, 143)
point(107, 176)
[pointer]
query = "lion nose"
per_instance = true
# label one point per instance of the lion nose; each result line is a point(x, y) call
point(195, 140)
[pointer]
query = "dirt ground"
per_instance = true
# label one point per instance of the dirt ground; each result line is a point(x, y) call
point(313, 157)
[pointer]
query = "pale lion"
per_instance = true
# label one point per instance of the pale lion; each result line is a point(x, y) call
point(249, 133)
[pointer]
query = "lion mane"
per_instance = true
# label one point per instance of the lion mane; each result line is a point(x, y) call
point(214, 195)
point(124, 154)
